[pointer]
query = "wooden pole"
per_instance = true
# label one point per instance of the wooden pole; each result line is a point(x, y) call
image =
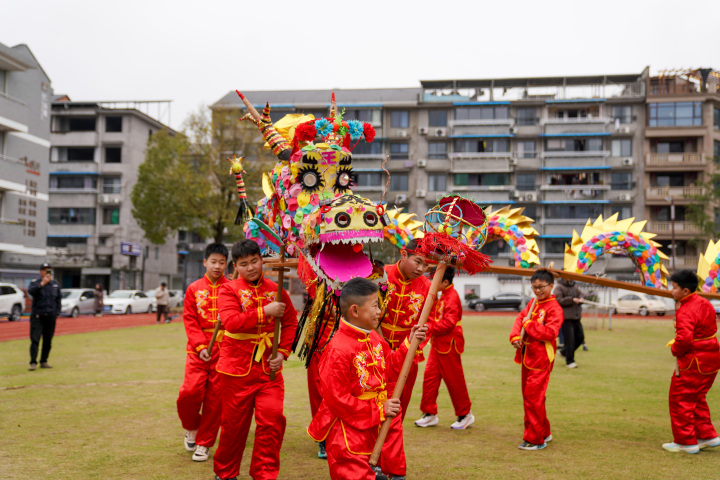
point(276, 338)
point(407, 364)
point(527, 317)
point(214, 336)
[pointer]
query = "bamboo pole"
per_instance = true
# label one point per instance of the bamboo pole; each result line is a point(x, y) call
point(281, 271)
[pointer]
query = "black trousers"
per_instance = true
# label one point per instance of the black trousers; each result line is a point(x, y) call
point(574, 338)
point(162, 310)
point(41, 326)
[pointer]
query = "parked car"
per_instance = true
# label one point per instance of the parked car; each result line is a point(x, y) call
point(176, 298)
point(640, 303)
point(127, 301)
point(12, 300)
point(76, 301)
point(513, 300)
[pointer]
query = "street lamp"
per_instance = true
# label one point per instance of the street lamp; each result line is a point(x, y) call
point(672, 228)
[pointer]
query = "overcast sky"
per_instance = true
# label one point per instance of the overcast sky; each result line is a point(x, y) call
point(194, 52)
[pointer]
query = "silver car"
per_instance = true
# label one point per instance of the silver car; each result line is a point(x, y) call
point(76, 301)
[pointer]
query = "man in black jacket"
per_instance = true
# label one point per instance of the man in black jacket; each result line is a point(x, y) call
point(46, 306)
point(569, 297)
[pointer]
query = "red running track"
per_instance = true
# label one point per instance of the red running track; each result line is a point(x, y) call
point(82, 324)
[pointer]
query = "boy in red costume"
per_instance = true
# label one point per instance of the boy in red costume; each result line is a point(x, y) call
point(248, 307)
point(444, 363)
point(407, 290)
point(200, 389)
point(698, 360)
point(356, 369)
point(536, 353)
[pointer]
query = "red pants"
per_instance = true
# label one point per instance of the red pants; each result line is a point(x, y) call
point(313, 381)
point(343, 464)
point(240, 396)
point(447, 367)
point(392, 458)
point(689, 412)
point(200, 391)
point(534, 387)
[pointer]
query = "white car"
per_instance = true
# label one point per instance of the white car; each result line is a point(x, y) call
point(640, 303)
point(76, 301)
point(127, 301)
point(12, 300)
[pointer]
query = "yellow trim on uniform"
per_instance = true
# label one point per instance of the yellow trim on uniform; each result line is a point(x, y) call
point(264, 340)
point(342, 424)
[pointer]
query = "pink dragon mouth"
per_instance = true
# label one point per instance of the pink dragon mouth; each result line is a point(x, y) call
point(341, 256)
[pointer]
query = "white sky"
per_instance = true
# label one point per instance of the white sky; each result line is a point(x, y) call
point(194, 52)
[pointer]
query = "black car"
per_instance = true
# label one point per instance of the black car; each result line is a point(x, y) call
point(512, 300)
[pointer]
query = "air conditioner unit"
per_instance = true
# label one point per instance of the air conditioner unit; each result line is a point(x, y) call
point(513, 161)
point(400, 198)
point(531, 197)
point(627, 161)
point(423, 130)
point(516, 194)
point(402, 133)
point(513, 130)
point(625, 197)
point(441, 132)
point(422, 162)
point(420, 193)
point(623, 130)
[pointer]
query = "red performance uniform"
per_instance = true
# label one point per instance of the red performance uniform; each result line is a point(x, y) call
point(245, 379)
point(200, 389)
point(537, 358)
point(444, 363)
point(355, 370)
point(313, 369)
point(698, 356)
point(405, 303)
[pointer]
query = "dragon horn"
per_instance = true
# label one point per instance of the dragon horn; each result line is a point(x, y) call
point(280, 147)
point(333, 106)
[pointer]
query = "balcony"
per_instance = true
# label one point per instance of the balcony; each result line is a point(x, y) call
point(70, 229)
point(527, 163)
point(486, 195)
point(480, 162)
point(682, 262)
point(674, 161)
point(555, 126)
point(577, 155)
point(8, 159)
point(575, 192)
point(109, 199)
point(664, 229)
point(436, 165)
point(570, 163)
point(680, 195)
point(75, 139)
point(366, 162)
point(482, 127)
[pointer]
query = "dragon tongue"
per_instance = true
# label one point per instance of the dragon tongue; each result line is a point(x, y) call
point(342, 262)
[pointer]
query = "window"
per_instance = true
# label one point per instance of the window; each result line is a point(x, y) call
point(437, 118)
point(670, 147)
point(400, 119)
point(716, 151)
point(369, 179)
point(495, 247)
point(526, 116)
point(622, 147)
point(530, 211)
point(111, 216)
point(716, 118)
point(525, 181)
point(399, 151)
point(157, 253)
point(625, 212)
point(678, 114)
point(491, 145)
point(574, 145)
point(622, 113)
point(663, 214)
point(621, 181)
point(399, 182)
point(80, 216)
point(370, 116)
point(437, 150)
point(81, 154)
point(481, 179)
point(577, 212)
point(526, 149)
point(73, 182)
point(113, 154)
point(590, 178)
point(74, 124)
point(113, 124)
point(669, 179)
point(63, 242)
point(482, 113)
point(111, 185)
point(437, 183)
point(364, 148)
point(556, 245)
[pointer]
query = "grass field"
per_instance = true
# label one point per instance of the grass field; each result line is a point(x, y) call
point(107, 411)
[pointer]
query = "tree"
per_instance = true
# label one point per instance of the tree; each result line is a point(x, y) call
point(704, 212)
point(184, 183)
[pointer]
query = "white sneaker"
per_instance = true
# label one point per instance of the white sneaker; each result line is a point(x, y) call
point(189, 440)
point(709, 443)
point(463, 422)
point(201, 454)
point(676, 447)
point(548, 438)
point(571, 365)
point(427, 420)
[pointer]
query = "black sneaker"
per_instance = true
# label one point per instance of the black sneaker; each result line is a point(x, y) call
point(395, 477)
point(379, 475)
point(218, 478)
point(322, 453)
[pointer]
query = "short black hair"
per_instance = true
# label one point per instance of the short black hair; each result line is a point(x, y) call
point(244, 248)
point(218, 248)
point(449, 274)
point(355, 292)
point(685, 279)
point(163, 284)
point(543, 274)
point(412, 245)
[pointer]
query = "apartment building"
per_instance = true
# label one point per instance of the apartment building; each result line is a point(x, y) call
point(25, 96)
point(564, 148)
point(92, 236)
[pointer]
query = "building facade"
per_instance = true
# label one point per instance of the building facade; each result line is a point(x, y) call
point(25, 97)
point(92, 235)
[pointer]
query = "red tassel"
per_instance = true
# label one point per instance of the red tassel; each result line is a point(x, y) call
point(440, 247)
point(346, 142)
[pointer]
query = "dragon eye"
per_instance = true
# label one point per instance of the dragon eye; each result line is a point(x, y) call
point(342, 219)
point(310, 178)
point(344, 179)
point(370, 219)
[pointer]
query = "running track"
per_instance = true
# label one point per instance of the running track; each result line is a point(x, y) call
point(89, 323)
